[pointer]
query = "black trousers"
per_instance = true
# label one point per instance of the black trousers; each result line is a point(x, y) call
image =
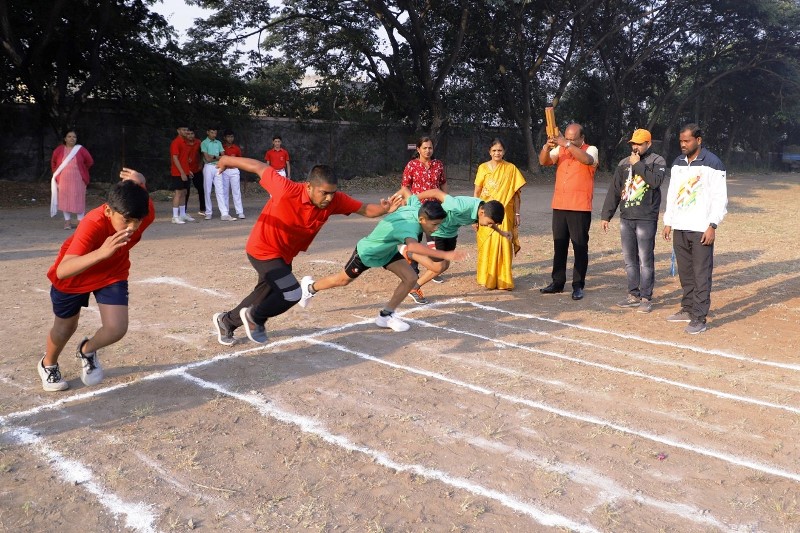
point(197, 181)
point(695, 266)
point(571, 226)
point(275, 293)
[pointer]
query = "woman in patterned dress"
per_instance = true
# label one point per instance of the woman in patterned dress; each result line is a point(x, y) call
point(72, 178)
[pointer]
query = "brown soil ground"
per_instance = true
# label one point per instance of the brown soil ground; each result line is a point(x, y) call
point(497, 411)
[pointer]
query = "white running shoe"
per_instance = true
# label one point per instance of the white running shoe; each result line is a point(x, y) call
point(305, 285)
point(227, 218)
point(187, 218)
point(178, 220)
point(392, 322)
point(51, 377)
point(241, 216)
point(91, 371)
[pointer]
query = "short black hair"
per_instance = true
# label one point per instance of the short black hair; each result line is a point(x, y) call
point(129, 199)
point(277, 137)
point(497, 140)
point(322, 174)
point(227, 132)
point(494, 210)
point(432, 211)
point(692, 128)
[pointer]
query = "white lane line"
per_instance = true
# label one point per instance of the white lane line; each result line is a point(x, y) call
point(692, 448)
point(720, 353)
point(610, 368)
point(166, 280)
point(309, 425)
point(138, 516)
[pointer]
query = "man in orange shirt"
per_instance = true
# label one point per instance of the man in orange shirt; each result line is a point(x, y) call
point(278, 158)
point(576, 163)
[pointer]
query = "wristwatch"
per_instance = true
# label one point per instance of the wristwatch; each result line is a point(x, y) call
point(713, 226)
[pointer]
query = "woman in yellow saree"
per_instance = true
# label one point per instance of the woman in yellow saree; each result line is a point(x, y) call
point(498, 180)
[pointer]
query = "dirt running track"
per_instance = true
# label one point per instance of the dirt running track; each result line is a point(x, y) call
point(497, 411)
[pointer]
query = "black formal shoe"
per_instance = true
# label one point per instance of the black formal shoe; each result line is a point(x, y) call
point(577, 294)
point(551, 289)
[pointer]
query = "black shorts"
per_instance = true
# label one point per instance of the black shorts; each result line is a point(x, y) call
point(66, 305)
point(177, 184)
point(444, 244)
point(355, 267)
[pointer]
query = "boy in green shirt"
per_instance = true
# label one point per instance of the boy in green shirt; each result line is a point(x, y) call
point(461, 211)
point(393, 237)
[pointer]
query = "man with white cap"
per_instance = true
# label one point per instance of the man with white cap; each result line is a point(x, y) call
point(636, 190)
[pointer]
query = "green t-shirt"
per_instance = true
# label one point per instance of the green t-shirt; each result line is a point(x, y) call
point(211, 148)
point(378, 248)
point(461, 211)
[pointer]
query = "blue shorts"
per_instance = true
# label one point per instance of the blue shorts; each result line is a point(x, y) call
point(66, 305)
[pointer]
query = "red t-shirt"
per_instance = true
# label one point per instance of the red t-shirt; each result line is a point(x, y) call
point(190, 157)
point(277, 158)
point(289, 221)
point(232, 150)
point(90, 235)
point(175, 149)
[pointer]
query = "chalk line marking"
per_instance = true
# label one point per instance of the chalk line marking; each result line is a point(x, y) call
point(610, 368)
point(728, 458)
point(309, 425)
point(166, 280)
point(720, 353)
point(324, 262)
point(138, 516)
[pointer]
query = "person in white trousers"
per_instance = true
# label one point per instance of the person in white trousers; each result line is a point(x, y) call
point(230, 179)
point(212, 150)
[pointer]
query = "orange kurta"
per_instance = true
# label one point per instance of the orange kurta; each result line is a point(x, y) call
point(495, 252)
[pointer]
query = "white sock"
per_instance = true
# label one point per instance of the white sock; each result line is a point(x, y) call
point(175, 213)
point(67, 216)
point(182, 210)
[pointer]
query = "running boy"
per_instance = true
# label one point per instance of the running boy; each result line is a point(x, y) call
point(95, 259)
point(461, 211)
point(388, 246)
point(290, 220)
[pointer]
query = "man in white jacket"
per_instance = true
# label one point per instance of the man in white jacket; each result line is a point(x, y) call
point(696, 203)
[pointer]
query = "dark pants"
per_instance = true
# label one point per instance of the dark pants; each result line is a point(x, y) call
point(275, 293)
point(197, 181)
point(638, 245)
point(571, 226)
point(695, 265)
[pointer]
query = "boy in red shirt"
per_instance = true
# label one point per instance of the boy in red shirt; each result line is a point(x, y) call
point(230, 179)
point(192, 162)
point(278, 158)
point(290, 220)
point(95, 259)
point(179, 180)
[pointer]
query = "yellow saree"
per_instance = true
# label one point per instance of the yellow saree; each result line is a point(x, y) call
point(495, 252)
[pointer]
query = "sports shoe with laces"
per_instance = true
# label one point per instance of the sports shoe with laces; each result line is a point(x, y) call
point(224, 333)
point(305, 285)
point(391, 322)
point(438, 279)
point(695, 327)
point(91, 370)
point(187, 218)
point(241, 216)
point(227, 218)
point(630, 301)
point(254, 332)
point(51, 377)
point(417, 296)
point(646, 306)
point(178, 220)
point(680, 316)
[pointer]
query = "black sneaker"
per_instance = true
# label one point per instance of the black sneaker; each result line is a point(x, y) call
point(224, 333)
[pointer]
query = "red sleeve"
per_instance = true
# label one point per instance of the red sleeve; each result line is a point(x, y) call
point(88, 162)
point(272, 182)
point(56, 159)
point(175, 147)
point(287, 154)
point(344, 204)
point(87, 238)
point(408, 179)
point(442, 175)
point(266, 156)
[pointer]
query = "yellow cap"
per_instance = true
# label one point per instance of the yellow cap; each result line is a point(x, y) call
point(640, 136)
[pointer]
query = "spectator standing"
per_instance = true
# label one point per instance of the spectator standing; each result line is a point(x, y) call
point(230, 178)
point(636, 190)
point(697, 201)
point(70, 164)
point(192, 162)
point(576, 163)
point(212, 150)
point(179, 181)
point(278, 158)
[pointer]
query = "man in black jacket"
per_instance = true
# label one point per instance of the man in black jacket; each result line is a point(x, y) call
point(637, 191)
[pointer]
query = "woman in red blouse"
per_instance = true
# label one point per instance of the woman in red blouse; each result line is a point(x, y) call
point(70, 165)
